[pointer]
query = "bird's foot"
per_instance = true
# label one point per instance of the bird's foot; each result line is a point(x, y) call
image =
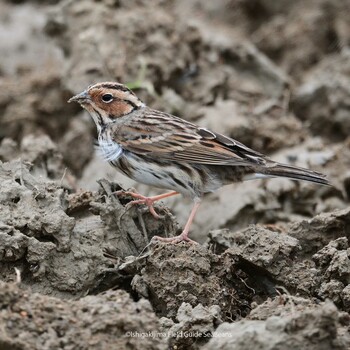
point(183, 237)
point(140, 199)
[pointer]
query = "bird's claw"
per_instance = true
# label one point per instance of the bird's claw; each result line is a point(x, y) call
point(148, 202)
point(139, 199)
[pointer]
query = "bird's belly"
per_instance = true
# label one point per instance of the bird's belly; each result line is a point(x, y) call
point(161, 175)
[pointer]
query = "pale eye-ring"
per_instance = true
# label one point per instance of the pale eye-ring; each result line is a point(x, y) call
point(107, 98)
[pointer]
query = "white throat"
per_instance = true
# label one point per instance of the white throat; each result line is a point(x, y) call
point(109, 150)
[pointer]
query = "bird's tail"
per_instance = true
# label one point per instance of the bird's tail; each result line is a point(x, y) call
point(292, 172)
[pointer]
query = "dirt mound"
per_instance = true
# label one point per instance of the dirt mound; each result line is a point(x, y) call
point(78, 266)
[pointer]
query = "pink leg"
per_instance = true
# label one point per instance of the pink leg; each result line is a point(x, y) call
point(146, 200)
point(184, 235)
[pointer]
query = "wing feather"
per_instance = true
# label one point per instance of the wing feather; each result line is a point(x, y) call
point(166, 137)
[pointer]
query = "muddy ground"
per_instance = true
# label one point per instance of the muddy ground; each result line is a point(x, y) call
point(273, 267)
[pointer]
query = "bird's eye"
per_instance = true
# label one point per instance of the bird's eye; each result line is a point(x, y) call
point(107, 98)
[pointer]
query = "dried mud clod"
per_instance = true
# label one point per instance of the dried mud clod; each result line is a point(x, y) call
point(333, 262)
point(58, 241)
point(308, 329)
point(176, 274)
point(91, 322)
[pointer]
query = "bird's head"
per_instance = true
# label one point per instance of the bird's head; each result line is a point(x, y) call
point(107, 102)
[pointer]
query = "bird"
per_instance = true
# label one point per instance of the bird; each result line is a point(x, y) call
point(159, 149)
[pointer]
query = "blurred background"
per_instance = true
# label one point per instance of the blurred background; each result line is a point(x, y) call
point(273, 74)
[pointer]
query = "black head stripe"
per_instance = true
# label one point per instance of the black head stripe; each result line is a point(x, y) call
point(116, 86)
point(132, 104)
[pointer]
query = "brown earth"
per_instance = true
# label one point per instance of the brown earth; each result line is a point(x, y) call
point(77, 268)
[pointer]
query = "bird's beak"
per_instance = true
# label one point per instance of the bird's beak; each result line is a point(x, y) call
point(83, 97)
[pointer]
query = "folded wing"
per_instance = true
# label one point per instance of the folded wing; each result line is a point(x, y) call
point(165, 137)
